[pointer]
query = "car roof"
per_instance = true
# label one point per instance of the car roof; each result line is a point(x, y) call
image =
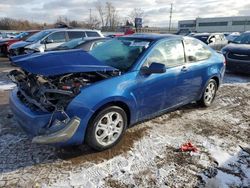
point(152, 37)
point(67, 29)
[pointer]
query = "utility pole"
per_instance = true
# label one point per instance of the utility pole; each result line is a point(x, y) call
point(90, 14)
point(170, 17)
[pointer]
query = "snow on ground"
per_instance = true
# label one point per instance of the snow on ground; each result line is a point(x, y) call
point(148, 156)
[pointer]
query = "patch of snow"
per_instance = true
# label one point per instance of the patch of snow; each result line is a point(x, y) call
point(223, 180)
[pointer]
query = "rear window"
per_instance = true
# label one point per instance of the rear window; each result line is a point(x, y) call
point(92, 34)
point(76, 34)
point(195, 50)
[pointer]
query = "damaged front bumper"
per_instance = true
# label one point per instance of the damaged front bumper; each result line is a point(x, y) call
point(62, 135)
point(35, 124)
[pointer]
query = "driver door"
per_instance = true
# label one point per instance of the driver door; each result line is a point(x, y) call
point(155, 92)
point(54, 40)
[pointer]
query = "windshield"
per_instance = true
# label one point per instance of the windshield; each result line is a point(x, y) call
point(71, 44)
point(120, 53)
point(243, 39)
point(38, 36)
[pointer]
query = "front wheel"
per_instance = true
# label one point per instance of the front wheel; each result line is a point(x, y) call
point(106, 128)
point(209, 93)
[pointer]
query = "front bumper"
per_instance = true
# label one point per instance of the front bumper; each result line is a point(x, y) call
point(35, 124)
point(62, 135)
point(238, 66)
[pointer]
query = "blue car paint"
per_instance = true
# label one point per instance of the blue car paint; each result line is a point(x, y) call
point(142, 94)
point(51, 63)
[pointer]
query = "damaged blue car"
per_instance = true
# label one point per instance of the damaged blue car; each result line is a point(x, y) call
point(72, 97)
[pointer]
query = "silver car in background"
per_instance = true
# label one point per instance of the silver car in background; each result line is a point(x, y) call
point(49, 39)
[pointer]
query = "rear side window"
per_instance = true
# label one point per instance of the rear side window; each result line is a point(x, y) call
point(57, 37)
point(170, 53)
point(196, 51)
point(92, 34)
point(76, 34)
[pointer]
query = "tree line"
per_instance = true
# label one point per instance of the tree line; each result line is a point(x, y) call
point(105, 17)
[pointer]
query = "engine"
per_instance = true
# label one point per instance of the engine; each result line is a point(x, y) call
point(52, 93)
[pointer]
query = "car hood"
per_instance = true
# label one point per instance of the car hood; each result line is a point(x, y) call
point(19, 44)
point(238, 48)
point(60, 62)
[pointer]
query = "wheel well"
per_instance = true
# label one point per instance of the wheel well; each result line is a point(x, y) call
point(217, 80)
point(120, 104)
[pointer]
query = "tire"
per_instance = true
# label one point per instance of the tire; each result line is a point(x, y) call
point(106, 128)
point(209, 93)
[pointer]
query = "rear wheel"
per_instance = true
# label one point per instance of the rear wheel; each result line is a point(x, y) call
point(209, 93)
point(107, 128)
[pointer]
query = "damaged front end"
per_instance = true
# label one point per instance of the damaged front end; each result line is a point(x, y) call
point(51, 95)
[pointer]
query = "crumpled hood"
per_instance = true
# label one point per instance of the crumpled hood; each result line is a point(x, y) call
point(60, 62)
point(238, 48)
point(19, 44)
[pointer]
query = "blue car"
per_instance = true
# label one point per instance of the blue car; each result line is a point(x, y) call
point(73, 97)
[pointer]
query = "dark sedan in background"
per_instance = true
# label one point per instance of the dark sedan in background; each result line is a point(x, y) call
point(237, 54)
point(5, 43)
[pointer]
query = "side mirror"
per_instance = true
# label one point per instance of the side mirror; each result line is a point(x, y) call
point(48, 41)
point(154, 68)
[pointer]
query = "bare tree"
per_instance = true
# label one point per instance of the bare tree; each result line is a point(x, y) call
point(101, 11)
point(112, 17)
point(136, 13)
point(93, 22)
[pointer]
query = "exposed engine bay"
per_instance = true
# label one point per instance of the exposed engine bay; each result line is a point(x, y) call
point(54, 93)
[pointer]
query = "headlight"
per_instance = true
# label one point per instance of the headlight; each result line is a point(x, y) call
point(223, 51)
point(28, 51)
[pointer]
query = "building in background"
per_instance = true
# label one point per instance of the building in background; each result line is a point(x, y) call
point(216, 24)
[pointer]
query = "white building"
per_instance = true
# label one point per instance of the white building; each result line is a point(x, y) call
point(217, 24)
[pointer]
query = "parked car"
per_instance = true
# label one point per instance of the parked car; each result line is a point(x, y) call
point(115, 35)
point(49, 39)
point(5, 43)
point(74, 97)
point(215, 40)
point(232, 37)
point(87, 44)
point(237, 54)
point(184, 32)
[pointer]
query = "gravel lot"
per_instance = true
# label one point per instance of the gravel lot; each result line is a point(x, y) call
point(148, 156)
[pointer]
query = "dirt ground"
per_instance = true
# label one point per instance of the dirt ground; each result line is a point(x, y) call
point(149, 154)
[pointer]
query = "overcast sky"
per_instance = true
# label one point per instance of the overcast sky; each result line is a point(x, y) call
point(157, 11)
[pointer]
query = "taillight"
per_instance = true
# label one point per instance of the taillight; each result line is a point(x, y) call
point(225, 62)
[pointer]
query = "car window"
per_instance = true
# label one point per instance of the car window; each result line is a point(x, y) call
point(120, 53)
point(97, 43)
point(57, 37)
point(38, 36)
point(195, 50)
point(76, 34)
point(170, 53)
point(92, 34)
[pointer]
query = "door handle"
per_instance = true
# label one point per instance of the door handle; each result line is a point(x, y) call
point(184, 69)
